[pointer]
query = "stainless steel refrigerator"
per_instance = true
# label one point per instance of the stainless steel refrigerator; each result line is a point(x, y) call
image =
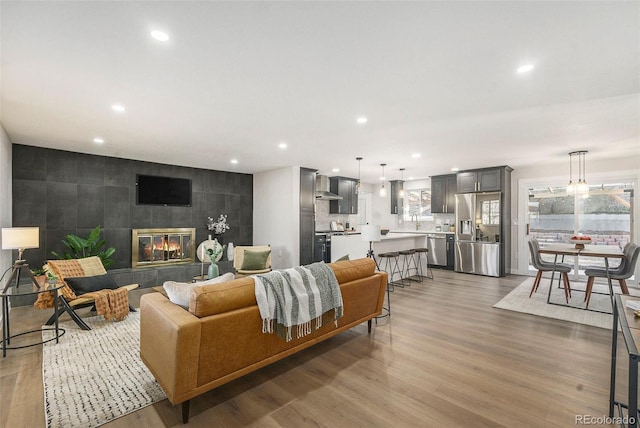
point(473, 255)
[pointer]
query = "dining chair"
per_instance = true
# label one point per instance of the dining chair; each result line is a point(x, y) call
point(543, 266)
point(622, 272)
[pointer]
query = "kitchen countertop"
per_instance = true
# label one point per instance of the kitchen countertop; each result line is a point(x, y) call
point(390, 235)
point(421, 232)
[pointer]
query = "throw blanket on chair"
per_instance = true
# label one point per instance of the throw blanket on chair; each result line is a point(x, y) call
point(297, 299)
point(111, 304)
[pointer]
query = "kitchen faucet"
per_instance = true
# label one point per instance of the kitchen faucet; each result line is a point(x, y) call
point(417, 222)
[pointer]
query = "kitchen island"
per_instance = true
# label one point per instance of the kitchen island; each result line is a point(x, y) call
point(353, 245)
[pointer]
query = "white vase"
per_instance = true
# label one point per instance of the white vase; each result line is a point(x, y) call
point(230, 251)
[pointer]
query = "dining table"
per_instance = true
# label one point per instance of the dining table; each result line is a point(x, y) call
point(561, 250)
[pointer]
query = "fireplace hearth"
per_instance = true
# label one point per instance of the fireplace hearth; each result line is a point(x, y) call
point(161, 247)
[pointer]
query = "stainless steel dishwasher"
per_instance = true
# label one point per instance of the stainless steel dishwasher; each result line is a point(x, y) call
point(437, 245)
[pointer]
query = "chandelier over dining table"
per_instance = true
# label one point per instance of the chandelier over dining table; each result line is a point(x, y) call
point(580, 187)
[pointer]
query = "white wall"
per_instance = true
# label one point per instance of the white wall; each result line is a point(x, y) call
point(276, 214)
point(6, 204)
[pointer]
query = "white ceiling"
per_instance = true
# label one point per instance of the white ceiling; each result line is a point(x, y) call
point(237, 78)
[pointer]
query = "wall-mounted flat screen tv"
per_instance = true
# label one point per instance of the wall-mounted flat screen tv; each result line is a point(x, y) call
point(157, 190)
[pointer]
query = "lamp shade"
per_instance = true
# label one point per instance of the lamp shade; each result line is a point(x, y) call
point(20, 238)
point(370, 233)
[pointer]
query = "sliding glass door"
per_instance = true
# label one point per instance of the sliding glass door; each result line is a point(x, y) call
point(605, 214)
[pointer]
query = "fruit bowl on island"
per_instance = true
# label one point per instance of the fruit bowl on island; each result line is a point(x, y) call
point(580, 241)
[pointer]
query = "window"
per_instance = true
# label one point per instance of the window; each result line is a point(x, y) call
point(491, 212)
point(417, 204)
point(604, 215)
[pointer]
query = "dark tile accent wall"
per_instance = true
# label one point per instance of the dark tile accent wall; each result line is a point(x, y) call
point(66, 192)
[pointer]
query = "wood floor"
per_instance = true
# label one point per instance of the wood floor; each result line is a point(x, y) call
point(445, 358)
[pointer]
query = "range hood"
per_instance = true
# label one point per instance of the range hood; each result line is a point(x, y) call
point(322, 189)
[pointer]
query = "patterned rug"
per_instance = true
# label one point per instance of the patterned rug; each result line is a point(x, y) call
point(92, 377)
point(518, 300)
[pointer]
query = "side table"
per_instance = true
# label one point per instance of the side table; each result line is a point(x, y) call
point(25, 290)
point(630, 327)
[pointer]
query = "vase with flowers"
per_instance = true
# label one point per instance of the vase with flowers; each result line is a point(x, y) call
point(217, 227)
point(215, 253)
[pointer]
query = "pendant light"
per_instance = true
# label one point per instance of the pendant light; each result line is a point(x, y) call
point(358, 186)
point(383, 190)
point(581, 187)
point(401, 192)
point(571, 189)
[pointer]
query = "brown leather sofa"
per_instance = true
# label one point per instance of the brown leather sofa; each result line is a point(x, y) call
point(220, 337)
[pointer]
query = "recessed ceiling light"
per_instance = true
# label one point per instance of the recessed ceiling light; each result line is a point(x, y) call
point(336, 170)
point(362, 120)
point(98, 140)
point(410, 178)
point(416, 155)
point(455, 169)
point(282, 145)
point(525, 68)
point(234, 161)
point(160, 35)
point(119, 108)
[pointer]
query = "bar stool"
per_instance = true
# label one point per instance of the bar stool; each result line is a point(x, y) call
point(391, 267)
point(419, 253)
point(407, 260)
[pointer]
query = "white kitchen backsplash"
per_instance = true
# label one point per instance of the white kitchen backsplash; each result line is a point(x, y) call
point(441, 220)
point(324, 219)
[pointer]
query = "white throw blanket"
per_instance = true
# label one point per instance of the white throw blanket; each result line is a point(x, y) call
point(297, 299)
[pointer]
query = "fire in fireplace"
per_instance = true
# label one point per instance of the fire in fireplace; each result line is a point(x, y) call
point(153, 247)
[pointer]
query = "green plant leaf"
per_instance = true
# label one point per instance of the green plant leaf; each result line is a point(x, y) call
point(92, 245)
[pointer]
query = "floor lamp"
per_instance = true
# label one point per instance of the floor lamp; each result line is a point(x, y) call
point(371, 234)
point(20, 238)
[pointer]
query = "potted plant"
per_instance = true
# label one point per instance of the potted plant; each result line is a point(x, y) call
point(92, 245)
point(40, 275)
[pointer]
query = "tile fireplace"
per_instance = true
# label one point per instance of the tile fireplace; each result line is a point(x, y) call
point(161, 247)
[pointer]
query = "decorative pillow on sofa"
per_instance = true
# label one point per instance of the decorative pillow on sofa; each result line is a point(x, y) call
point(255, 260)
point(86, 284)
point(180, 292)
point(343, 258)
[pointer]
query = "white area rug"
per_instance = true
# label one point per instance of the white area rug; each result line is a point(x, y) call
point(92, 377)
point(518, 300)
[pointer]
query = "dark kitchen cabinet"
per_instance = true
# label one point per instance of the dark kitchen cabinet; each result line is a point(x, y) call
point(494, 179)
point(451, 253)
point(484, 180)
point(443, 193)
point(307, 214)
point(345, 187)
point(396, 201)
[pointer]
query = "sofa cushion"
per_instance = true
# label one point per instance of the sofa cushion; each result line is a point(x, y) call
point(180, 292)
point(218, 299)
point(255, 260)
point(350, 270)
point(86, 284)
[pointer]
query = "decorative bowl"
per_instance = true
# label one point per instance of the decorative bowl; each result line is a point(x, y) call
point(580, 243)
point(384, 231)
